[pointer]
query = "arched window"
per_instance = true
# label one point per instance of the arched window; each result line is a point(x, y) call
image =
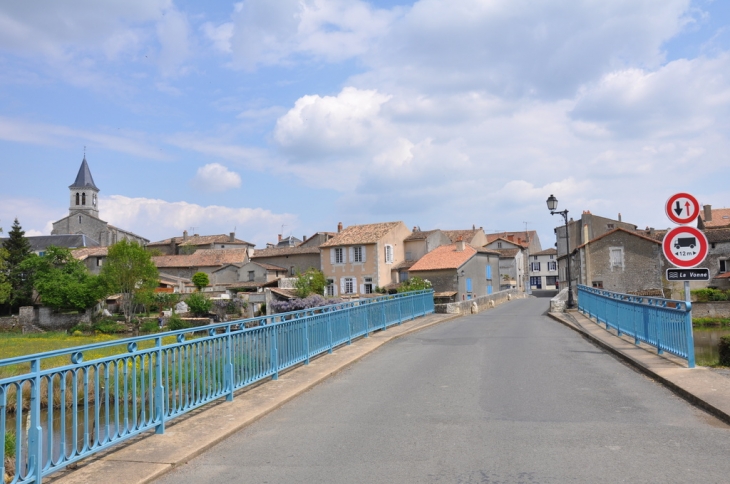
point(77, 198)
point(83, 199)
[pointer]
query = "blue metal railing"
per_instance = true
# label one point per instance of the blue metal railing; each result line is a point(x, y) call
point(59, 415)
point(662, 323)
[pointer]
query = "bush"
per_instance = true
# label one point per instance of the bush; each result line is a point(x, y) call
point(109, 326)
point(175, 322)
point(311, 282)
point(149, 327)
point(313, 301)
point(81, 328)
point(415, 284)
point(724, 350)
point(9, 444)
point(709, 294)
point(199, 304)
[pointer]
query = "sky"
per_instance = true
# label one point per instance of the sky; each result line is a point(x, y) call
point(288, 117)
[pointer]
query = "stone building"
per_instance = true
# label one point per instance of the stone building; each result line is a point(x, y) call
point(83, 217)
point(295, 260)
point(620, 261)
point(543, 267)
point(187, 244)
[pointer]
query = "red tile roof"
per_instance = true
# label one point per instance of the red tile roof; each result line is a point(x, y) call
point(279, 251)
point(518, 238)
point(720, 218)
point(202, 258)
point(465, 235)
point(444, 257)
point(86, 252)
point(361, 234)
point(547, 252)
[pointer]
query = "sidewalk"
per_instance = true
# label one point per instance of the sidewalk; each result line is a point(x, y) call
point(703, 387)
point(149, 456)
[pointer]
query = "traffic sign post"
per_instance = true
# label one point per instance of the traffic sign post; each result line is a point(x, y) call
point(682, 208)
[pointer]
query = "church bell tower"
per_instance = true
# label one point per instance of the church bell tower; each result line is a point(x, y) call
point(84, 193)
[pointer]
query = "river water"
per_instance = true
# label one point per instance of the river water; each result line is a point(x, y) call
point(706, 344)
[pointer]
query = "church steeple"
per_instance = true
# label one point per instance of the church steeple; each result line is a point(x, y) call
point(84, 192)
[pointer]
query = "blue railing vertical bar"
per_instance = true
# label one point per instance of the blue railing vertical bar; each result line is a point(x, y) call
point(662, 323)
point(93, 405)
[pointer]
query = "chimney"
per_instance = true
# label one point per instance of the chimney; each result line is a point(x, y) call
point(232, 237)
point(185, 235)
point(619, 216)
point(279, 237)
point(708, 213)
point(339, 227)
point(196, 235)
point(304, 237)
point(460, 245)
point(473, 227)
point(511, 238)
point(519, 240)
point(415, 229)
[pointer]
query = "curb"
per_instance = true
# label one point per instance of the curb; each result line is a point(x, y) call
point(673, 387)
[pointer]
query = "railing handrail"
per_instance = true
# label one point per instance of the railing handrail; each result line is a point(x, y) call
point(683, 306)
point(282, 317)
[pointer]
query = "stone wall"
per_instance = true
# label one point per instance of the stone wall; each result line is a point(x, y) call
point(715, 309)
point(9, 323)
point(483, 302)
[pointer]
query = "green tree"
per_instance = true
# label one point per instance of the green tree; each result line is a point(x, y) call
point(62, 282)
point(167, 300)
point(310, 282)
point(18, 249)
point(200, 279)
point(128, 270)
point(5, 287)
point(199, 304)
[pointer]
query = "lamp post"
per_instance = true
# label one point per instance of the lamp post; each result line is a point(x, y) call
point(552, 204)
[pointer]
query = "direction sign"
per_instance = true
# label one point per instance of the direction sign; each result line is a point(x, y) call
point(698, 274)
point(685, 247)
point(682, 208)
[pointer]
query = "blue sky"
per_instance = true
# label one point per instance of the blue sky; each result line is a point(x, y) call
point(260, 116)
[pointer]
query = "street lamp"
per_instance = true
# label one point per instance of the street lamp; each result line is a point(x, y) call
point(552, 204)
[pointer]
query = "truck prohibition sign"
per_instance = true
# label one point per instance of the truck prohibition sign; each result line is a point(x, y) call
point(685, 247)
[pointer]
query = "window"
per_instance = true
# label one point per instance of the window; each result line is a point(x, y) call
point(534, 257)
point(292, 271)
point(499, 245)
point(77, 198)
point(41, 253)
point(338, 255)
point(724, 266)
point(551, 257)
point(610, 226)
point(368, 286)
point(598, 284)
point(409, 255)
point(552, 265)
point(616, 257)
point(358, 254)
point(535, 267)
point(98, 261)
point(402, 276)
point(330, 288)
point(348, 285)
point(535, 281)
point(251, 275)
point(83, 199)
point(551, 281)
point(388, 254)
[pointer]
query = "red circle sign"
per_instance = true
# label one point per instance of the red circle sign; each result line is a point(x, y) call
point(685, 247)
point(682, 208)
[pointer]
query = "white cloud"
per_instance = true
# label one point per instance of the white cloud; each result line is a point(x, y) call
point(33, 215)
point(214, 177)
point(173, 33)
point(265, 33)
point(159, 219)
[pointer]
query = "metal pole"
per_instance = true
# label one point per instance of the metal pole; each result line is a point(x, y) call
point(571, 303)
point(690, 334)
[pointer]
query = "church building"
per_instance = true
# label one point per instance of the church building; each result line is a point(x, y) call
point(83, 217)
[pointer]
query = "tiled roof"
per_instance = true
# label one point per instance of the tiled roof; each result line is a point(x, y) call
point(724, 275)
point(484, 250)
point(444, 257)
point(85, 253)
point(269, 267)
point(720, 218)
point(278, 251)
point(406, 264)
point(146, 241)
point(361, 234)
point(202, 258)
point(69, 241)
point(630, 232)
point(547, 252)
point(523, 237)
point(718, 235)
point(201, 240)
point(420, 235)
point(507, 253)
point(465, 235)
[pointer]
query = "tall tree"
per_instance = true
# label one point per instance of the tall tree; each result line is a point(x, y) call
point(129, 270)
point(62, 282)
point(18, 249)
point(5, 287)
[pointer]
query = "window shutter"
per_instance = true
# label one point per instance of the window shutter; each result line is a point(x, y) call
point(363, 251)
point(352, 254)
point(468, 284)
point(362, 288)
point(332, 256)
point(342, 285)
point(489, 272)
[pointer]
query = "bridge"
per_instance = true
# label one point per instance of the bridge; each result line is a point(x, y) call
point(506, 395)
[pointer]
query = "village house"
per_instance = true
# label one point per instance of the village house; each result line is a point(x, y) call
point(543, 269)
point(361, 257)
point(621, 260)
point(458, 271)
point(709, 218)
point(187, 244)
point(474, 237)
point(203, 260)
point(92, 257)
point(83, 217)
point(512, 261)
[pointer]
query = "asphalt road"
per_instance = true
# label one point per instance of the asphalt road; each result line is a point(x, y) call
point(505, 396)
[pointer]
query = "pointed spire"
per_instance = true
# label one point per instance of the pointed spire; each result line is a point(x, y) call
point(84, 179)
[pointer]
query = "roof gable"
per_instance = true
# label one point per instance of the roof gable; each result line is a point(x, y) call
point(635, 234)
point(444, 257)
